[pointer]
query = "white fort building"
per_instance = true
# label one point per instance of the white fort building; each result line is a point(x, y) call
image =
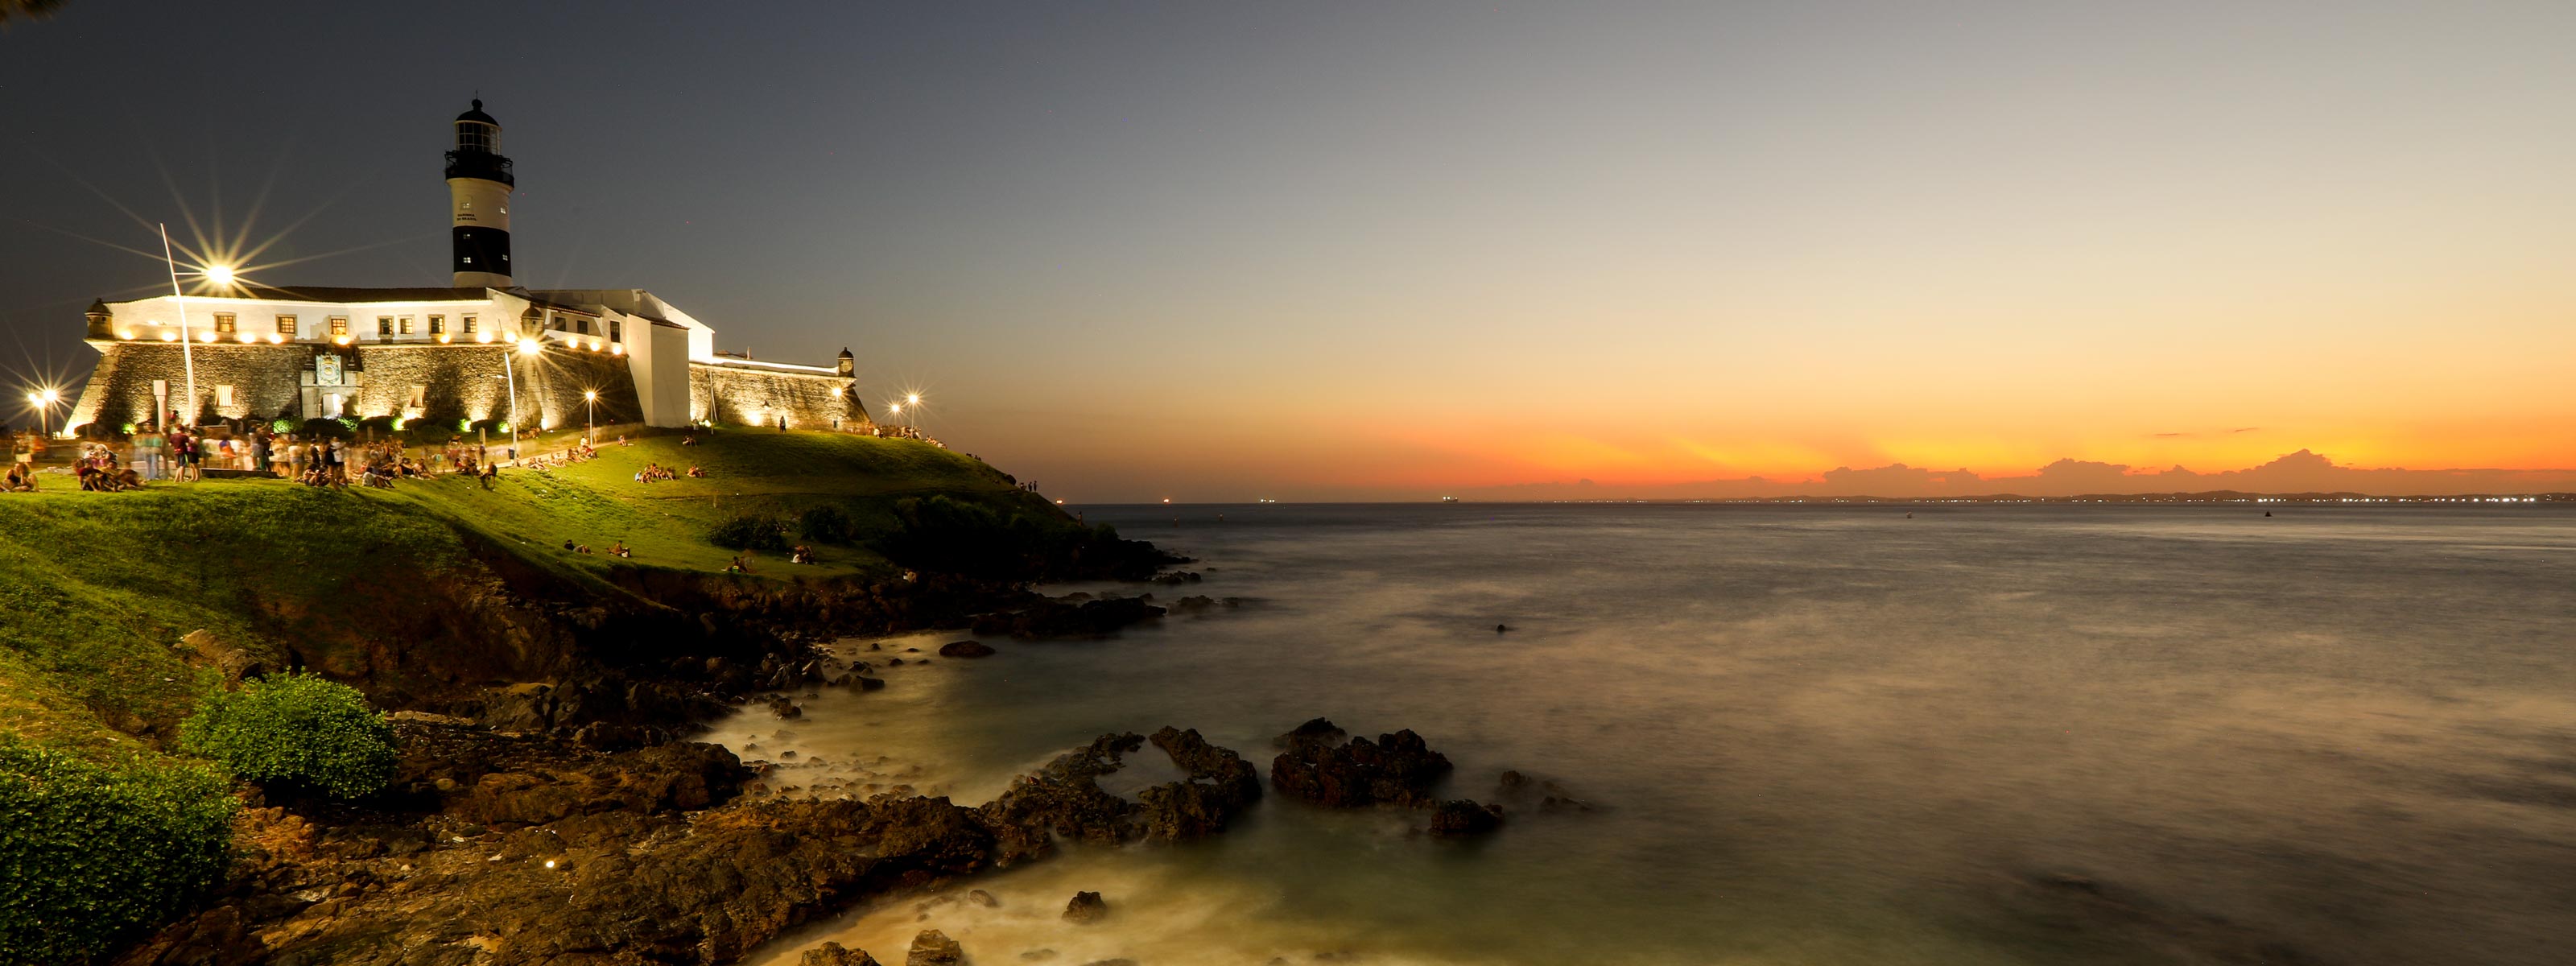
point(260, 353)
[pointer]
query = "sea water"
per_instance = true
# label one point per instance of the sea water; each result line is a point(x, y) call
point(1808, 734)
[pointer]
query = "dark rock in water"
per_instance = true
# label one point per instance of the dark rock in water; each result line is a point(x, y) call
point(1176, 578)
point(1316, 731)
point(1461, 818)
point(934, 948)
point(982, 898)
point(784, 708)
point(1038, 955)
point(1065, 799)
point(869, 683)
point(912, 650)
point(1094, 618)
point(1512, 781)
point(892, 661)
point(831, 954)
point(965, 649)
point(1396, 769)
point(1085, 907)
point(1221, 786)
point(1121, 961)
point(1194, 604)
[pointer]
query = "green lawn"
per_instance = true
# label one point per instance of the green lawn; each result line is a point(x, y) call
point(96, 588)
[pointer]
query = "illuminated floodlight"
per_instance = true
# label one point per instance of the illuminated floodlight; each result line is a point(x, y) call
point(127, 334)
point(528, 347)
point(276, 337)
point(221, 275)
point(913, 398)
point(590, 395)
point(248, 338)
point(894, 409)
point(341, 340)
point(207, 336)
point(169, 336)
point(484, 337)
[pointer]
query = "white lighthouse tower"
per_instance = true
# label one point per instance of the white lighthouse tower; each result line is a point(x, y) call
point(478, 191)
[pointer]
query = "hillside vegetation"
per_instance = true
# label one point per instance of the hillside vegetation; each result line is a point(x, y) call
point(96, 589)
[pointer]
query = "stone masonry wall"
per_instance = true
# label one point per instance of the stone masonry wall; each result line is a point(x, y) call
point(457, 382)
point(263, 378)
point(751, 397)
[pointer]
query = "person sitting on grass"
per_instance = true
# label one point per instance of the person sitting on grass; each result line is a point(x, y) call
point(491, 471)
point(21, 479)
point(618, 549)
point(697, 474)
point(583, 550)
point(802, 554)
point(736, 567)
point(690, 440)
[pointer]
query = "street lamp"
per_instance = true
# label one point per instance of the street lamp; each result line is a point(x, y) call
point(44, 403)
point(510, 373)
point(590, 416)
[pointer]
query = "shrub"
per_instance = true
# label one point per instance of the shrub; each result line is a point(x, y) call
point(298, 730)
point(750, 531)
point(827, 524)
point(91, 851)
point(282, 425)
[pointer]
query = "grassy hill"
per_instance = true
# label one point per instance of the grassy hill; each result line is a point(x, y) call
point(97, 588)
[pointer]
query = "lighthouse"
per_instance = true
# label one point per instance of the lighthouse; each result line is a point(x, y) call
point(478, 191)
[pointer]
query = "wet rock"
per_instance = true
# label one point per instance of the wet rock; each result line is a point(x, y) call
point(832, 954)
point(934, 948)
point(519, 707)
point(1461, 818)
point(870, 684)
point(1396, 769)
point(1038, 955)
point(785, 709)
point(965, 649)
point(1065, 799)
point(1092, 618)
point(1086, 907)
point(982, 898)
point(1220, 787)
point(1194, 604)
point(1316, 731)
point(1177, 578)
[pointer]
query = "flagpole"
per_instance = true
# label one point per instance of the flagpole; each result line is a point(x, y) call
point(186, 359)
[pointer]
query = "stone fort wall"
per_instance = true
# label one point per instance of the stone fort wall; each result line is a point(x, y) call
point(754, 397)
point(445, 384)
point(262, 377)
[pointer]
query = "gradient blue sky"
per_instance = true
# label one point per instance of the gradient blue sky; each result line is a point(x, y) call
point(1332, 251)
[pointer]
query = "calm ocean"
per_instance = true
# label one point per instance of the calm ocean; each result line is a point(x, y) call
point(1813, 735)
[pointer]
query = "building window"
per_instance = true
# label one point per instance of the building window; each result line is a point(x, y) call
point(406, 325)
point(469, 325)
point(384, 326)
point(286, 326)
point(223, 322)
point(617, 330)
point(224, 396)
point(339, 326)
point(419, 395)
point(582, 325)
point(438, 325)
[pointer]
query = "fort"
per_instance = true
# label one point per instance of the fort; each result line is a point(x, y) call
point(482, 350)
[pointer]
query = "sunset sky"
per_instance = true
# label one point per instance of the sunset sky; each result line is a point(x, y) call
point(1362, 251)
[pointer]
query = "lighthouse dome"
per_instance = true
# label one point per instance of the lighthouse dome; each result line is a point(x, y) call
point(475, 113)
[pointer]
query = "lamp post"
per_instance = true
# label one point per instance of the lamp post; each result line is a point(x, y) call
point(590, 416)
point(44, 403)
point(187, 359)
point(510, 373)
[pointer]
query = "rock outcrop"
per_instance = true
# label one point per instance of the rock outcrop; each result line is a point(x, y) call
point(1396, 769)
point(934, 948)
point(1086, 907)
point(831, 954)
point(1461, 818)
point(1221, 786)
point(1052, 618)
point(965, 649)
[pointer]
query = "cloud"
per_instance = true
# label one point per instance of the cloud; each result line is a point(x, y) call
point(2302, 471)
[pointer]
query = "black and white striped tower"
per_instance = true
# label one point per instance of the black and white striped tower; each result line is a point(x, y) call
point(478, 189)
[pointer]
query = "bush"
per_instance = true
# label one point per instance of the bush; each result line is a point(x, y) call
point(298, 730)
point(90, 851)
point(750, 531)
point(827, 524)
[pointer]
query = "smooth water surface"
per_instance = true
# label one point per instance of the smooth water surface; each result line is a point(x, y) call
point(1818, 734)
